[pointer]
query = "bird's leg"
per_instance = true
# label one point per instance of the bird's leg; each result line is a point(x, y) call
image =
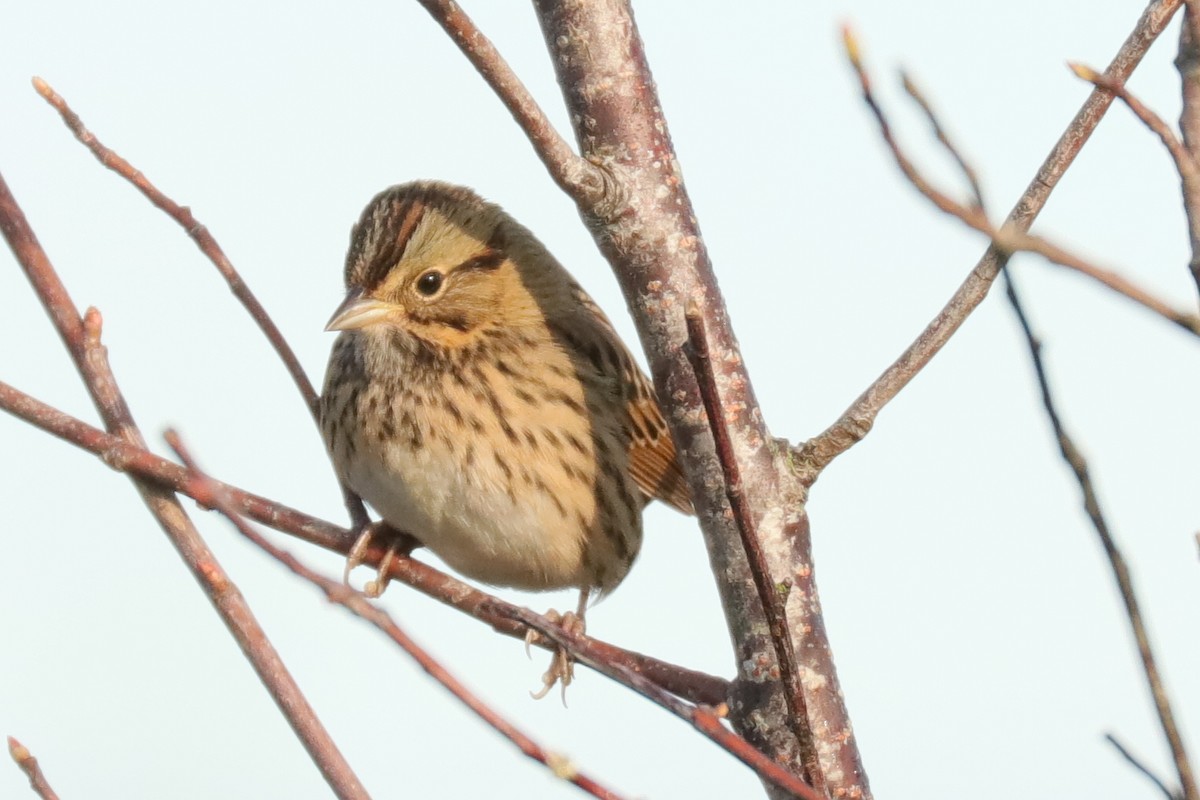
point(562, 666)
point(399, 543)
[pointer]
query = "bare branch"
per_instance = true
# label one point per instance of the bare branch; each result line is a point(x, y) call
point(29, 765)
point(1187, 61)
point(1185, 161)
point(1091, 504)
point(209, 247)
point(940, 132)
point(772, 596)
point(645, 226)
point(574, 175)
point(1007, 240)
point(702, 718)
point(858, 419)
point(91, 359)
point(692, 685)
point(211, 494)
point(1140, 767)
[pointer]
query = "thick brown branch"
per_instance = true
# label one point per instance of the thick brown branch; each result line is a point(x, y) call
point(1091, 504)
point(694, 686)
point(29, 765)
point(82, 337)
point(858, 419)
point(211, 494)
point(646, 228)
point(209, 247)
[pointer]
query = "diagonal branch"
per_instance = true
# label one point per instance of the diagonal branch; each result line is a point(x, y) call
point(702, 718)
point(1008, 242)
point(574, 175)
point(29, 765)
point(856, 422)
point(1140, 767)
point(209, 247)
point(1006, 239)
point(211, 494)
point(82, 337)
point(694, 686)
point(1091, 504)
point(772, 596)
point(1183, 158)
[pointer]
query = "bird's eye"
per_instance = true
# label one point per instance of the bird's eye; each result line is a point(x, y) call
point(429, 283)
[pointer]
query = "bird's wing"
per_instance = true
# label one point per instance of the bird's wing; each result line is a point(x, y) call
point(652, 458)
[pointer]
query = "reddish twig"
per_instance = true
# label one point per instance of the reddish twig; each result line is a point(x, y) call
point(772, 595)
point(702, 718)
point(858, 419)
point(1007, 239)
point(1091, 504)
point(29, 765)
point(1185, 161)
point(1140, 767)
point(1008, 242)
point(212, 494)
point(573, 174)
point(83, 342)
point(209, 247)
point(692, 685)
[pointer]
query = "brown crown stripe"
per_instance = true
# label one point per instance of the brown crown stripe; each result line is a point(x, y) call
point(386, 225)
point(486, 261)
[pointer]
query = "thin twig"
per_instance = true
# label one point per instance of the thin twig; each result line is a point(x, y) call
point(1091, 504)
point(209, 247)
point(857, 420)
point(83, 339)
point(772, 595)
point(940, 132)
point(210, 493)
point(697, 687)
point(574, 175)
point(1140, 767)
point(1185, 160)
point(29, 765)
point(702, 718)
point(1008, 239)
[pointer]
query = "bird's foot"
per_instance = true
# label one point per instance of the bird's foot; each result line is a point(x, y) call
point(562, 665)
point(398, 544)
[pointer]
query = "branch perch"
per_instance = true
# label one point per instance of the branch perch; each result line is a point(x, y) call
point(211, 494)
point(694, 686)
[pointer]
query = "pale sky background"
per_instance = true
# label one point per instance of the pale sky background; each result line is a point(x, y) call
point(977, 630)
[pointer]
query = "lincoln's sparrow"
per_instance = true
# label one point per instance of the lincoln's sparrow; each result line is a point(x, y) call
point(480, 401)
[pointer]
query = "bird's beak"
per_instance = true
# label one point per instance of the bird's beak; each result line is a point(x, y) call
point(357, 311)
